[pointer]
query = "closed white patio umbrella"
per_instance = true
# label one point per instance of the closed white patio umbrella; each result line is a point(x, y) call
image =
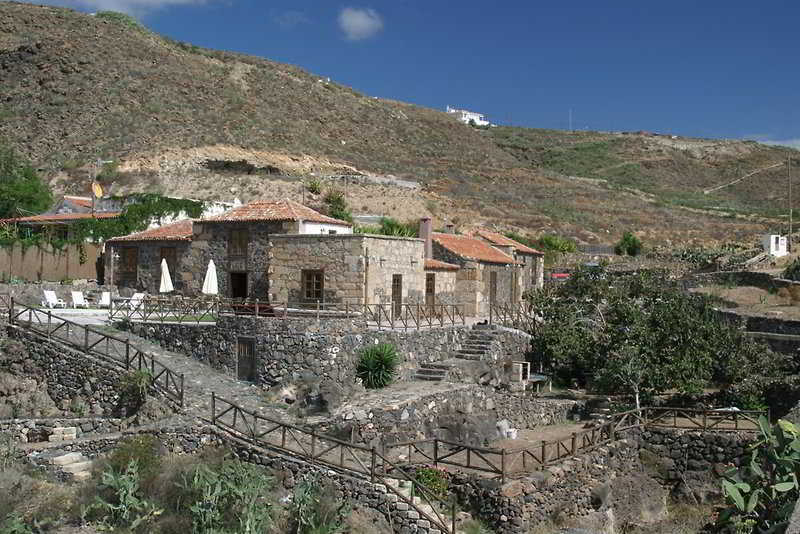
point(166, 280)
point(210, 282)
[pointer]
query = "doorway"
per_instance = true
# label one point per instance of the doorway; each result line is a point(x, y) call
point(239, 285)
point(397, 294)
point(430, 291)
point(246, 359)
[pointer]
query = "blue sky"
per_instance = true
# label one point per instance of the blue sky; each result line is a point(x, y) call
point(703, 68)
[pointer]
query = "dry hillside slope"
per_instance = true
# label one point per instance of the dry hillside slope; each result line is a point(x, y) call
point(178, 118)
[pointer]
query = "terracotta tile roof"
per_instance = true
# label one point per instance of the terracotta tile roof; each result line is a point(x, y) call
point(282, 210)
point(86, 202)
point(500, 239)
point(436, 264)
point(177, 231)
point(63, 217)
point(472, 248)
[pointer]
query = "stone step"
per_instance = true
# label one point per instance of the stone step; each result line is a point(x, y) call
point(471, 351)
point(429, 378)
point(442, 366)
point(477, 345)
point(427, 371)
point(77, 467)
point(67, 458)
point(468, 357)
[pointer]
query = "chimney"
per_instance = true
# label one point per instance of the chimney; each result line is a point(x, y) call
point(425, 232)
point(450, 228)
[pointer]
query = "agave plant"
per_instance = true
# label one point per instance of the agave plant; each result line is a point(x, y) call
point(377, 365)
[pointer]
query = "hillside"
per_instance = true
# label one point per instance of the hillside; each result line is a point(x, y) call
point(180, 119)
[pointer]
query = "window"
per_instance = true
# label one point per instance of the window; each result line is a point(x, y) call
point(170, 254)
point(313, 284)
point(237, 247)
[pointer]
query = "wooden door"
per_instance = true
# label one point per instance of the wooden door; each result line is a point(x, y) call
point(246, 359)
point(397, 294)
point(430, 291)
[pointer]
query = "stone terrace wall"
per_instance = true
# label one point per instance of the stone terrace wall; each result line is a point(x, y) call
point(69, 374)
point(737, 278)
point(567, 492)
point(463, 412)
point(327, 349)
point(37, 430)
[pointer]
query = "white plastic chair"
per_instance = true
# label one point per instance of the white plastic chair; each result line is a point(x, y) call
point(105, 300)
point(52, 301)
point(136, 300)
point(78, 300)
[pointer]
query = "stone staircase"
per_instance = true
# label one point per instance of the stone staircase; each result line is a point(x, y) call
point(478, 344)
point(403, 487)
point(74, 464)
point(432, 372)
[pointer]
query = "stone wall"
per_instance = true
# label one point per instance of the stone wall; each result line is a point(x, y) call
point(148, 272)
point(358, 268)
point(38, 430)
point(211, 240)
point(466, 413)
point(444, 285)
point(294, 348)
point(71, 376)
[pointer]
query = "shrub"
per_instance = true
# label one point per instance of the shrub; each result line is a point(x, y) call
point(377, 365)
point(761, 493)
point(556, 243)
point(337, 205)
point(792, 271)
point(434, 480)
point(21, 189)
point(144, 449)
point(231, 498)
point(119, 18)
point(126, 507)
point(314, 186)
point(133, 390)
point(315, 509)
point(629, 245)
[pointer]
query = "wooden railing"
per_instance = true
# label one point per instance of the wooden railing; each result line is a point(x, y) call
point(517, 315)
point(367, 462)
point(508, 462)
point(184, 310)
point(118, 351)
point(716, 420)
point(5, 301)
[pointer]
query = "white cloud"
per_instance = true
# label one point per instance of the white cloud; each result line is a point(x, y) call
point(133, 7)
point(291, 19)
point(359, 23)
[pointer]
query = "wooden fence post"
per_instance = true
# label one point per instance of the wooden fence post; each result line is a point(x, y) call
point(49, 323)
point(213, 407)
point(11, 311)
point(127, 353)
point(256, 307)
point(544, 452)
point(314, 442)
point(85, 340)
point(574, 438)
point(372, 467)
point(503, 466)
point(435, 452)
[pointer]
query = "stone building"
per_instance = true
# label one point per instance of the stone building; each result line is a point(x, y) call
point(237, 241)
point(135, 260)
point(533, 260)
point(485, 273)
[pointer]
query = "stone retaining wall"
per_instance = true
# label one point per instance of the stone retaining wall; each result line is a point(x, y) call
point(737, 278)
point(294, 348)
point(38, 430)
point(70, 375)
point(465, 413)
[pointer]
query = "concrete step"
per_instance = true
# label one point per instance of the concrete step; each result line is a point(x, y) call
point(67, 458)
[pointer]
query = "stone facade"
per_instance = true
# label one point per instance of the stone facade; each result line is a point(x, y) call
point(445, 285)
point(473, 282)
point(212, 240)
point(357, 268)
point(147, 276)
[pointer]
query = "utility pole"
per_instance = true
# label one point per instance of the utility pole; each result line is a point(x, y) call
point(789, 179)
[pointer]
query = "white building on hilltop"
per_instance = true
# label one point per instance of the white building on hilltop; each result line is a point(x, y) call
point(466, 116)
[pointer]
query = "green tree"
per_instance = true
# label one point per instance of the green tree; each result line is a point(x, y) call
point(629, 245)
point(21, 190)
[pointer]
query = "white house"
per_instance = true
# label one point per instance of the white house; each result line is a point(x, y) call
point(775, 245)
point(466, 116)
